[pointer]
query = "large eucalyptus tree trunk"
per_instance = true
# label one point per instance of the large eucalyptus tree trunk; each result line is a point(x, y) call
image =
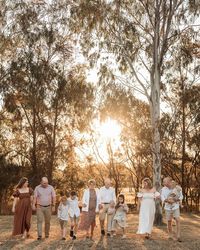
point(155, 120)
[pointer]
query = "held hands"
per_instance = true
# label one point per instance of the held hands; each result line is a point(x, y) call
point(84, 205)
point(100, 206)
point(53, 209)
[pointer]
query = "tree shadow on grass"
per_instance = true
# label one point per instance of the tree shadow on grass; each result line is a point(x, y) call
point(100, 244)
point(166, 244)
point(34, 244)
point(81, 244)
point(8, 244)
point(117, 243)
point(59, 244)
point(84, 244)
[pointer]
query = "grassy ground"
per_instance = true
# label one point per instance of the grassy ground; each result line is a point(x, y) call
point(190, 236)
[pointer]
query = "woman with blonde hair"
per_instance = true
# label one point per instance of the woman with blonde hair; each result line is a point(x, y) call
point(90, 206)
point(146, 205)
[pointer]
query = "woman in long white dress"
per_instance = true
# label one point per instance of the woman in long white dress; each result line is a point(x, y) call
point(146, 202)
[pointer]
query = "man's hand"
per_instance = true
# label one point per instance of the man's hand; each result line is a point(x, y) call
point(170, 201)
point(13, 209)
point(100, 206)
point(53, 208)
point(34, 207)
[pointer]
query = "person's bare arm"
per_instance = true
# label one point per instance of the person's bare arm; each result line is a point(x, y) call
point(126, 208)
point(54, 204)
point(34, 203)
point(53, 200)
point(14, 204)
point(138, 204)
point(34, 200)
point(31, 198)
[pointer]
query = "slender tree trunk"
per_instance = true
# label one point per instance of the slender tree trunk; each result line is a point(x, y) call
point(34, 151)
point(183, 144)
point(53, 147)
point(1, 201)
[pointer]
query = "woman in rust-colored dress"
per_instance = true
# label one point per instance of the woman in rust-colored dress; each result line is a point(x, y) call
point(89, 208)
point(22, 208)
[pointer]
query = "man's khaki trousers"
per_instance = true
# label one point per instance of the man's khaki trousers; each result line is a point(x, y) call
point(102, 216)
point(43, 213)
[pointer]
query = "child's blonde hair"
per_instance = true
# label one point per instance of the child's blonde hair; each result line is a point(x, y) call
point(63, 198)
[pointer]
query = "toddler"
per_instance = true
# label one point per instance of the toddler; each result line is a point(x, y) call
point(63, 217)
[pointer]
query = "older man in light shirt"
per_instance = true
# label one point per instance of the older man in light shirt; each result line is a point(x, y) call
point(107, 196)
point(172, 208)
point(44, 203)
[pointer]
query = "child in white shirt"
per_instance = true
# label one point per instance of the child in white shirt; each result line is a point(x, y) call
point(111, 209)
point(74, 213)
point(63, 210)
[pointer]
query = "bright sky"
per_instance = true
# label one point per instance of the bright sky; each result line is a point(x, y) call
point(103, 133)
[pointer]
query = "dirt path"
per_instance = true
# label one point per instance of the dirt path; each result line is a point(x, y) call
point(190, 236)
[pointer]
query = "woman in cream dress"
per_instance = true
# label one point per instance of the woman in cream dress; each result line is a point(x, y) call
point(146, 201)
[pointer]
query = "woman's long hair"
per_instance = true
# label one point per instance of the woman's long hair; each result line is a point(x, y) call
point(21, 182)
point(122, 196)
point(148, 181)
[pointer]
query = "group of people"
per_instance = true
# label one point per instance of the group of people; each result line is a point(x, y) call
point(102, 201)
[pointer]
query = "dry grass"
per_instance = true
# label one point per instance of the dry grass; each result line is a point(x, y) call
point(190, 236)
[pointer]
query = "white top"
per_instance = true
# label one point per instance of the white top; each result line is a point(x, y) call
point(165, 192)
point(146, 195)
point(107, 195)
point(74, 209)
point(147, 211)
point(63, 211)
point(86, 199)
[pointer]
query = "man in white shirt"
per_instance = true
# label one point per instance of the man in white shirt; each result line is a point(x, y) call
point(172, 208)
point(107, 196)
